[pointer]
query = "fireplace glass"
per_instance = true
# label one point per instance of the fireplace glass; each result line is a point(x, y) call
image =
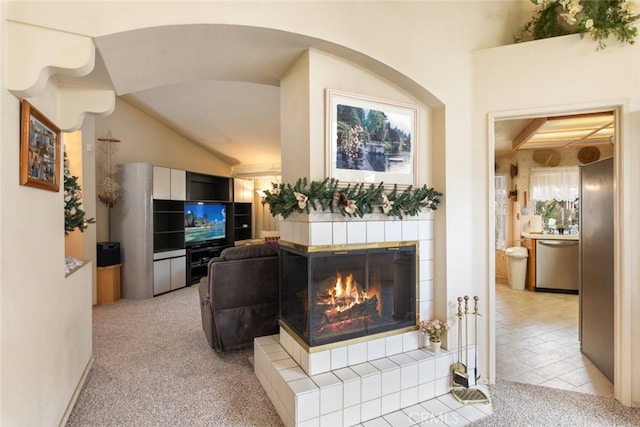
point(331, 296)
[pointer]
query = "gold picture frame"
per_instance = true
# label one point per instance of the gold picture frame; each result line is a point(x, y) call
point(39, 149)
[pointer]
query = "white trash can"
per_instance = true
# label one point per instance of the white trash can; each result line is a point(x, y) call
point(517, 266)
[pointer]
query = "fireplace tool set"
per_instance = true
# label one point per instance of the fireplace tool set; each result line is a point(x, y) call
point(459, 370)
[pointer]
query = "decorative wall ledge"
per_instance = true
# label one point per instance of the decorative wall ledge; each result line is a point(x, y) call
point(37, 54)
point(71, 265)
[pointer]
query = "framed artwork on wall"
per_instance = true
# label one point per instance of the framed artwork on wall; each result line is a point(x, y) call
point(371, 140)
point(39, 149)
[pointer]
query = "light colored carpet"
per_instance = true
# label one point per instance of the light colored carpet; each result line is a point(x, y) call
point(526, 405)
point(153, 367)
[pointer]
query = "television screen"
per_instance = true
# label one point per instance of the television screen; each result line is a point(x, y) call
point(204, 222)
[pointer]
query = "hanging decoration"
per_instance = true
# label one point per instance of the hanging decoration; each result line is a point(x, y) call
point(109, 189)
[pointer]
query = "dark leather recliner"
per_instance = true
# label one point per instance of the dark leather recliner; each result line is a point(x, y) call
point(239, 296)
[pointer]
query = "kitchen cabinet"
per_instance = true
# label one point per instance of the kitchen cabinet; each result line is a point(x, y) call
point(242, 215)
point(530, 244)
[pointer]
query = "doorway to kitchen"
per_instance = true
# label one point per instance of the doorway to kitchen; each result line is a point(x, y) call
point(537, 334)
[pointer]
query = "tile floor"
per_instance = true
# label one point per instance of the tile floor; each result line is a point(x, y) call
point(537, 341)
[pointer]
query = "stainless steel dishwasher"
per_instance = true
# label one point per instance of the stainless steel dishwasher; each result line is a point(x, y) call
point(557, 265)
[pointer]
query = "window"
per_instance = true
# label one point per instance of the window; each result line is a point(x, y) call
point(560, 183)
point(555, 192)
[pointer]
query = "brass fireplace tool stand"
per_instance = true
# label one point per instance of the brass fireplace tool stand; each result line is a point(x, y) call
point(459, 371)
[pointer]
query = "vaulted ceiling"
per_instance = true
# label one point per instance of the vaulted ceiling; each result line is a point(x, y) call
point(228, 100)
point(218, 85)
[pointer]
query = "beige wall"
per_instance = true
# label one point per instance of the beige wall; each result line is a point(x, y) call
point(45, 318)
point(143, 139)
point(440, 71)
point(507, 83)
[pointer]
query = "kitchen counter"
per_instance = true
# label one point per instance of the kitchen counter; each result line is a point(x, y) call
point(540, 236)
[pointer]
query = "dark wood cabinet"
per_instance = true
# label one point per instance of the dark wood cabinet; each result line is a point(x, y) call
point(168, 225)
point(530, 244)
point(209, 187)
point(198, 259)
point(242, 221)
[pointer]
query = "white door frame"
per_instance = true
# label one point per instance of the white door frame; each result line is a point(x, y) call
point(622, 244)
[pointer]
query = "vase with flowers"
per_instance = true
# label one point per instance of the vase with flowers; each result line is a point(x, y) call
point(435, 329)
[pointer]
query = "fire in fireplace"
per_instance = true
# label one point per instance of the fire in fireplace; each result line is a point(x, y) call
point(328, 296)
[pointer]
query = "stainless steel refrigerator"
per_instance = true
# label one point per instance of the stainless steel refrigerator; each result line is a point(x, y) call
point(596, 264)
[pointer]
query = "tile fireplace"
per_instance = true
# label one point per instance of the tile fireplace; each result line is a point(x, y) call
point(331, 294)
point(327, 368)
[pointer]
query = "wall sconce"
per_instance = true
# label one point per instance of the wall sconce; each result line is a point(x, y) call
point(109, 189)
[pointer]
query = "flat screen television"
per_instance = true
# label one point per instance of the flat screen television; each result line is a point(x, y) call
point(204, 222)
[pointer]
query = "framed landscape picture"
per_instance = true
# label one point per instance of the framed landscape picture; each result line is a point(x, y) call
point(371, 140)
point(39, 150)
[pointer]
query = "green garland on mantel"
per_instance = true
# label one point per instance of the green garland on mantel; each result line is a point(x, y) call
point(352, 200)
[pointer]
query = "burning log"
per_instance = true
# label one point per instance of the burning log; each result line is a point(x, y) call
point(343, 307)
point(366, 308)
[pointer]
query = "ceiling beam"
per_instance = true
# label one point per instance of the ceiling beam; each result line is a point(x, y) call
point(586, 137)
point(583, 116)
point(527, 132)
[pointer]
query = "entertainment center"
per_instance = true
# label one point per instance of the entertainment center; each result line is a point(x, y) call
point(170, 223)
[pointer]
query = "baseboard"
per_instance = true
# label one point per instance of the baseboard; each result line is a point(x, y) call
point(76, 393)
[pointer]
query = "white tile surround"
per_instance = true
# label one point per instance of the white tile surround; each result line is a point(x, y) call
point(320, 228)
point(351, 384)
point(359, 381)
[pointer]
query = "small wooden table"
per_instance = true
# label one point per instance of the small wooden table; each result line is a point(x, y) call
point(109, 284)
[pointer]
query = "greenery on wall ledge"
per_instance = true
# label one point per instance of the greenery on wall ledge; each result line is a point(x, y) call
point(352, 200)
point(597, 18)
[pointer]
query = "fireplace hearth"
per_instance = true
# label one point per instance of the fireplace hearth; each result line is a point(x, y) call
point(334, 294)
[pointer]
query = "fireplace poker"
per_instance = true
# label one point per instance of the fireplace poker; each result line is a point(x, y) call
point(459, 376)
point(476, 314)
point(466, 331)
